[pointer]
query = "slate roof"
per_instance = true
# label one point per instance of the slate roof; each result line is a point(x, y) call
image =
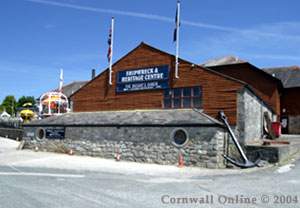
point(223, 61)
point(252, 67)
point(71, 88)
point(133, 117)
point(289, 76)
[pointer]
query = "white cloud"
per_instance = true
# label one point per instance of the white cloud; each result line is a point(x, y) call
point(257, 32)
point(276, 41)
point(250, 45)
point(275, 56)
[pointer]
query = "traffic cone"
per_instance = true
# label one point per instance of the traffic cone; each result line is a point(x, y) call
point(71, 152)
point(180, 160)
point(118, 157)
point(117, 154)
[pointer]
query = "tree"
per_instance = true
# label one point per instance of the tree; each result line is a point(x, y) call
point(9, 104)
point(25, 99)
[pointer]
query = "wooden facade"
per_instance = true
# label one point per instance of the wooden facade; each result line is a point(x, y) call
point(290, 101)
point(265, 85)
point(219, 92)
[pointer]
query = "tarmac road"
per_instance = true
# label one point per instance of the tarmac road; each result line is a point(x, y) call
point(42, 187)
point(27, 185)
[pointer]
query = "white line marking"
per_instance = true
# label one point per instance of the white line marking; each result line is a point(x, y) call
point(14, 168)
point(41, 174)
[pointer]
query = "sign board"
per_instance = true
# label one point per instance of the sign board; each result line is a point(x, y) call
point(55, 133)
point(150, 78)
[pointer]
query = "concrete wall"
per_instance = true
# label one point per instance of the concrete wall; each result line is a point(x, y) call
point(251, 117)
point(294, 124)
point(140, 144)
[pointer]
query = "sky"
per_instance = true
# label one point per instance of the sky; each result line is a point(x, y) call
point(39, 37)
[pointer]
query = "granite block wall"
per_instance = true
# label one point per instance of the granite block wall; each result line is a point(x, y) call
point(250, 117)
point(12, 133)
point(205, 146)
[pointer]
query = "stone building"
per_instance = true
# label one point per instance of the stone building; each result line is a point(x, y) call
point(148, 115)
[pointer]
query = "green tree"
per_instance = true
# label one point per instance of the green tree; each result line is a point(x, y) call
point(25, 99)
point(9, 104)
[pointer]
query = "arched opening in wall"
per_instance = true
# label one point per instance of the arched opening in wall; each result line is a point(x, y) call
point(40, 133)
point(179, 137)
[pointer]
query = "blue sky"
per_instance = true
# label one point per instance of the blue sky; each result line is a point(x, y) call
point(39, 37)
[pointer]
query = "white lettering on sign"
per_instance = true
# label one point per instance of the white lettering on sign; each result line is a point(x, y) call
point(141, 75)
point(30, 134)
point(140, 72)
point(154, 76)
point(141, 86)
point(143, 79)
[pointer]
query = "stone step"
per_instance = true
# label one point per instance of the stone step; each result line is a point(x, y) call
point(273, 153)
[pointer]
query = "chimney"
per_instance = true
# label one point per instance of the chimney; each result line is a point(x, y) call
point(93, 73)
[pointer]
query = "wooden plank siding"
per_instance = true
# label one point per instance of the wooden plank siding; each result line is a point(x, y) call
point(290, 101)
point(264, 85)
point(219, 91)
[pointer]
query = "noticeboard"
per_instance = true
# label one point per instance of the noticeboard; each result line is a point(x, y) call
point(55, 133)
point(150, 78)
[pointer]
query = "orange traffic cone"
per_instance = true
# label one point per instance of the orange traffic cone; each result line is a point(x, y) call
point(117, 155)
point(180, 160)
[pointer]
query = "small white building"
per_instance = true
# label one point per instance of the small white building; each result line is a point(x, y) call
point(4, 114)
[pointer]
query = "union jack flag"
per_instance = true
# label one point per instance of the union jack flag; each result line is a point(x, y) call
point(109, 45)
point(177, 23)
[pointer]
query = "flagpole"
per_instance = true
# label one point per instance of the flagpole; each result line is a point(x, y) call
point(111, 50)
point(177, 39)
point(61, 83)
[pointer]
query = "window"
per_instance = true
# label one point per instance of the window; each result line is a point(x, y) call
point(187, 92)
point(185, 97)
point(179, 137)
point(40, 133)
point(177, 92)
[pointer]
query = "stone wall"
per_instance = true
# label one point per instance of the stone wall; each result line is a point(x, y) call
point(251, 117)
point(294, 124)
point(148, 144)
point(12, 133)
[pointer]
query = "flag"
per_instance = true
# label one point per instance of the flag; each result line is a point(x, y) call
point(61, 80)
point(109, 44)
point(176, 37)
point(176, 23)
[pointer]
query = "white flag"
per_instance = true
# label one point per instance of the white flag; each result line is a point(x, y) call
point(61, 80)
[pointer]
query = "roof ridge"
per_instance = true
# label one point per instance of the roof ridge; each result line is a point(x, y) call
point(292, 67)
point(168, 54)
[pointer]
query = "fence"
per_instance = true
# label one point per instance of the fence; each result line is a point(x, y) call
point(11, 128)
point(10, 123)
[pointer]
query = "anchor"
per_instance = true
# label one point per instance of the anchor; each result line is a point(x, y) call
point(246, 163)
